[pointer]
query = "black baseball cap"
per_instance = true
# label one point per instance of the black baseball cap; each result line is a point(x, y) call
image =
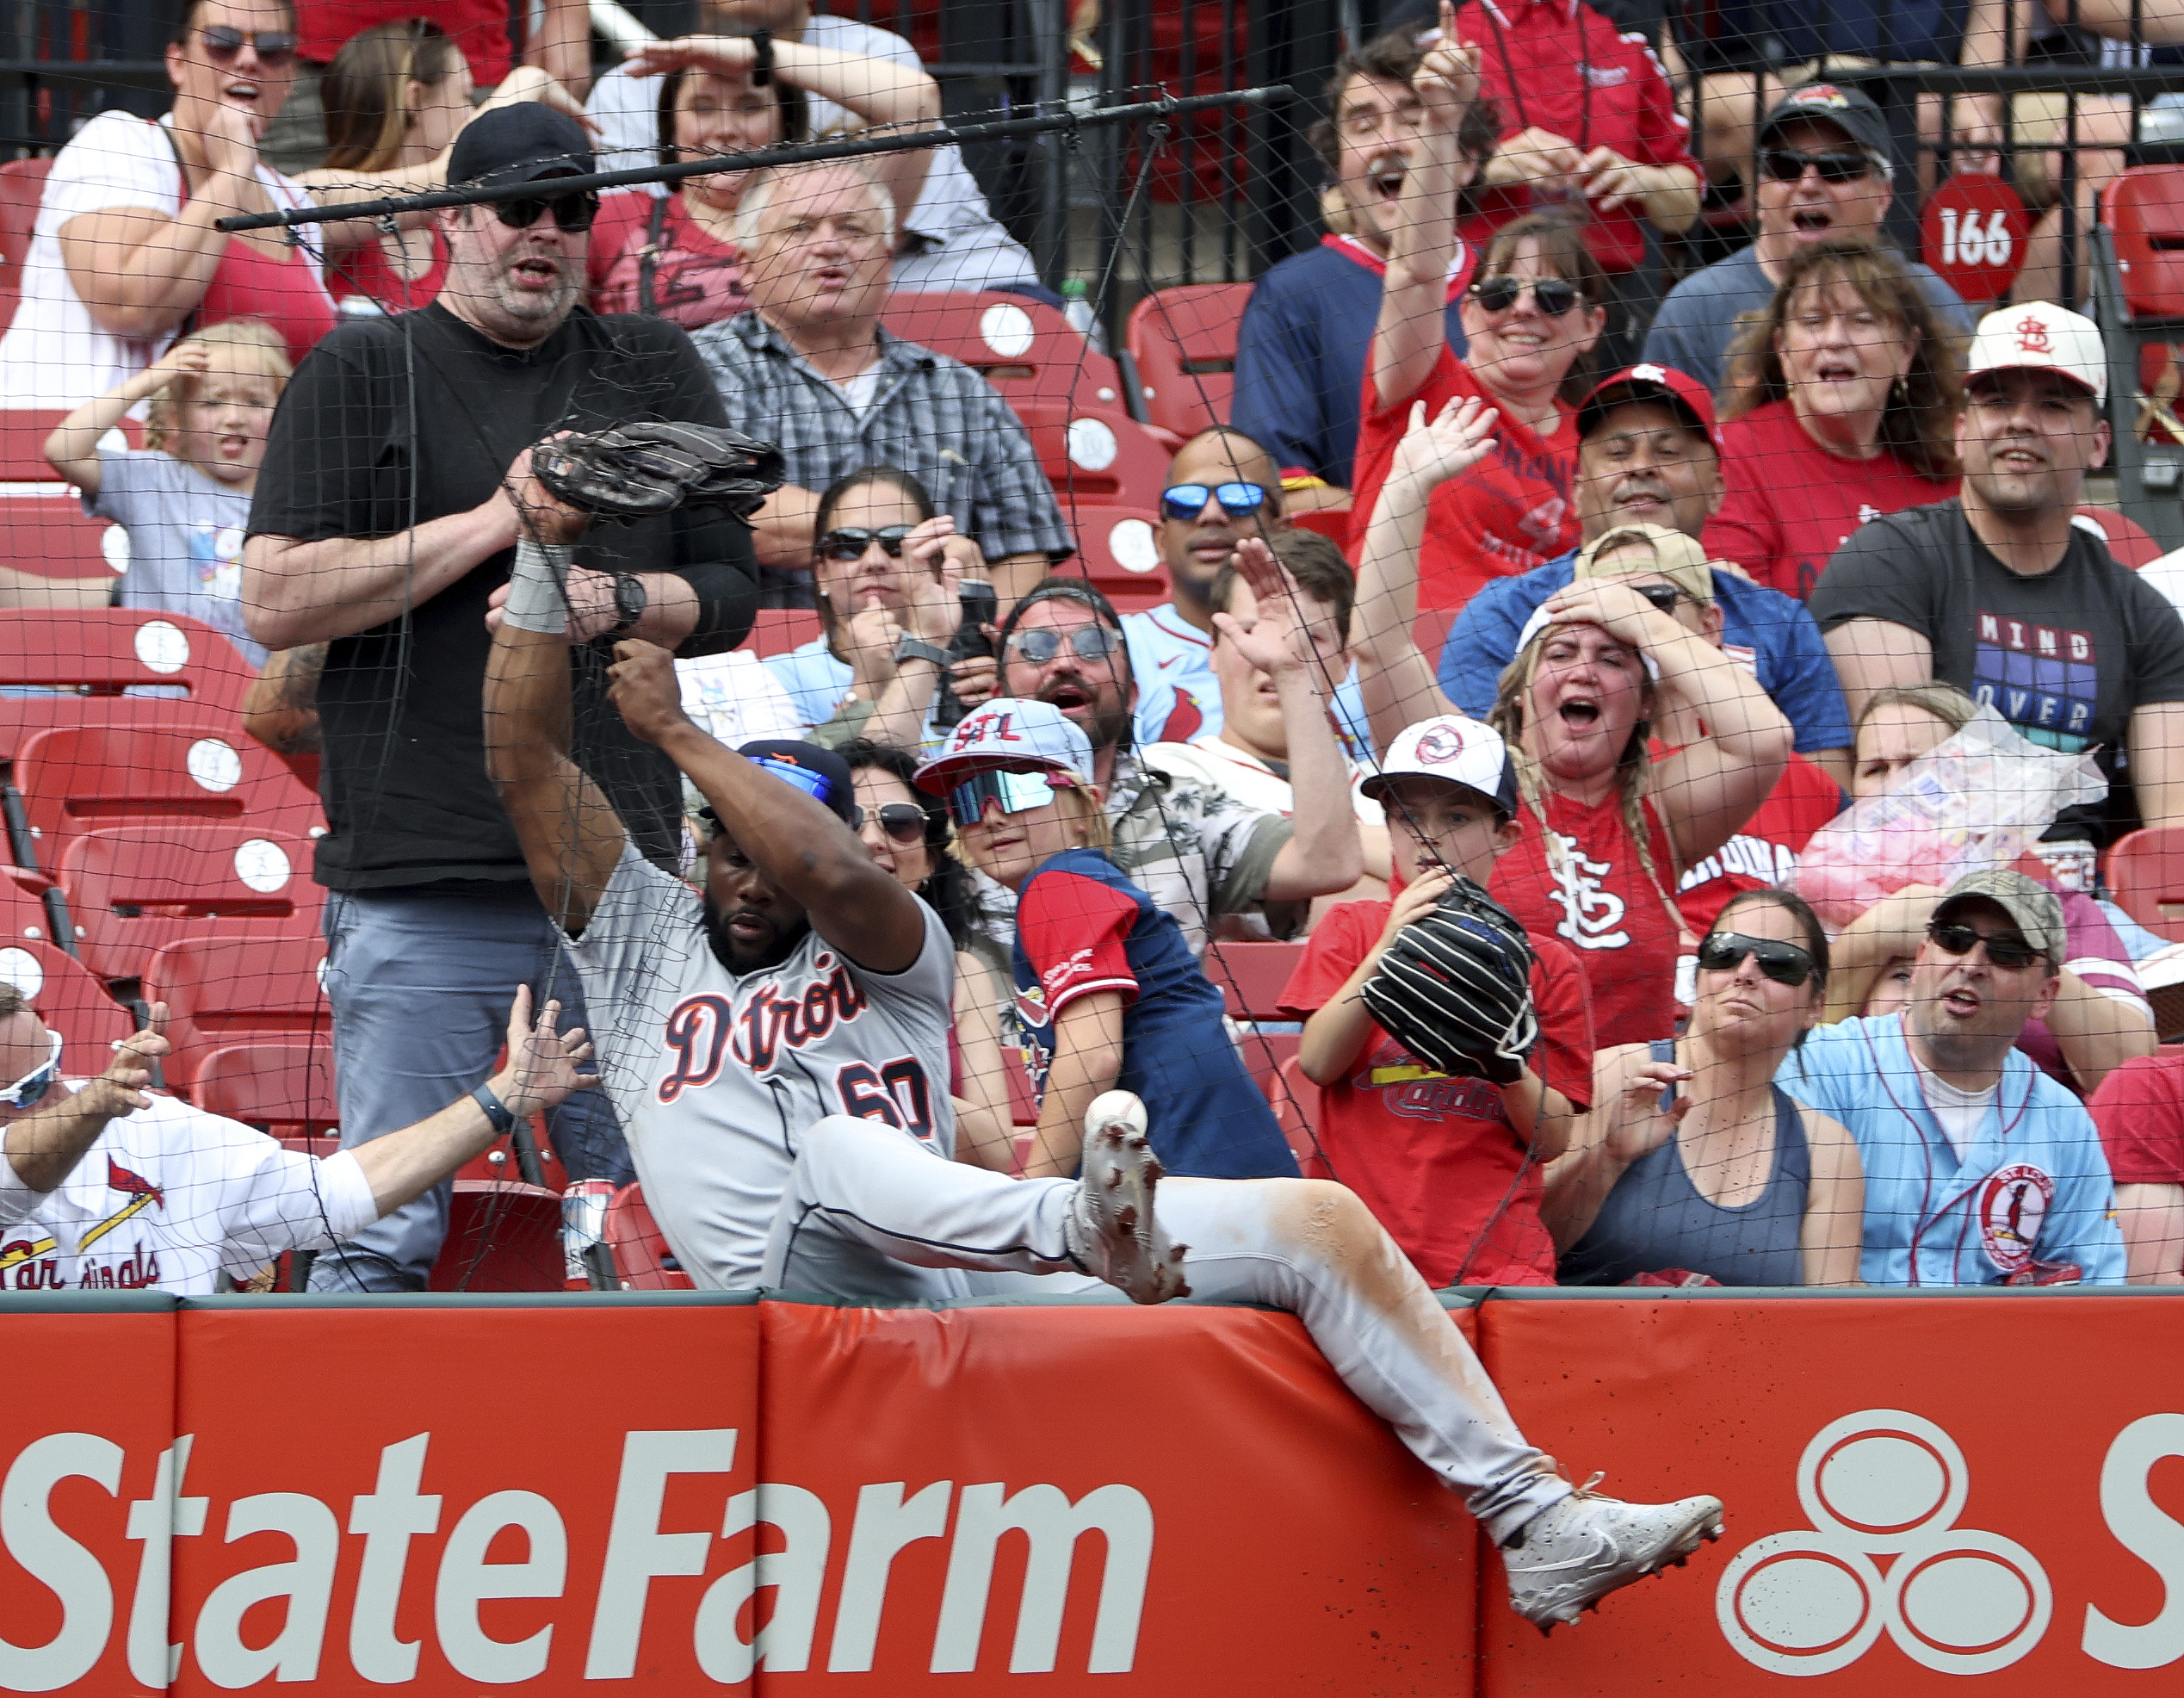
point(515, 143)
point(1848, 110)
point(818, 772)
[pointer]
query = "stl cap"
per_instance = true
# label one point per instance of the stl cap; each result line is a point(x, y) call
point(1459, 750)
point(2032, 905)
point(1014, 733)
point(2038, 335)
point(1650, 382)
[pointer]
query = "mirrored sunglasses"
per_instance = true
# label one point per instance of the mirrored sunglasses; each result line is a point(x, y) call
point(904, 821)
point(34, 1085)
point(1553, 296)
point(1017, 792)
point(1089, 642)
point(573, 213)
point(1787, 164)
point(850, 543)
point(2011, 954)
point(1188, 500)
point(224, 44)
point(1786, 963)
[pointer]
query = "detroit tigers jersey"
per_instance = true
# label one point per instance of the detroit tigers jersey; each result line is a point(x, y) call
point(168, 1197)
point(716, 1076)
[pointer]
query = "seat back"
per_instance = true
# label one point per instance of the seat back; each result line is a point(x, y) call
point(2143, 210)
point(135, 888)
point(69, 998)
point(643, 1258)
point(1119, 550)
point(51, 535)
point(1096, 455)
point(1296, 1110)
point(1025, 348)
point(777, 630)
point(502, 1236)
point(223, 991)
point(1184, 342)
point(1252, 977)
point(287, 1088)
point(2129, 542)
point(199, 768)
point(2145, 874)
point(22, 442)
point(101, 652)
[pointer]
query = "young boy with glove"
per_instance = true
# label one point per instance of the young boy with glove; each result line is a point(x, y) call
point(1448, 1160)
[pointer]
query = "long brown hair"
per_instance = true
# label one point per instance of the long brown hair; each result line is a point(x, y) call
point(1562, 251)
point(1919, 424)
point(366, 114)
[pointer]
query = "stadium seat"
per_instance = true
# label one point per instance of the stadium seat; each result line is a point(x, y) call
point(778, 629)
point(69, 998)
point(502, 1236)
point(1097, 454)
point(23, 444)
point(1296, 1107)
point(1119, 552)
point(48, 533)
point(1252, 977)
point(2144, 872)
point(1183, 341)
point(1025, 348)
point(1334, 526)
point(2128, 541)
point(642, 1258)
point(1266, 1053)
point(222, 992)
point(101, 652)
point(135, 888)
point(2138, 299)
point(286, 1088)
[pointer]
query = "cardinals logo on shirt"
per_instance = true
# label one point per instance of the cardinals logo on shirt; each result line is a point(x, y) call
point(142, 1192)
point(2013, 1203)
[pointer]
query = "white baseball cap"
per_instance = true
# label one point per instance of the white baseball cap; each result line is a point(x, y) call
point(1459, 750)
point(2038, 335)
point(1011, 734)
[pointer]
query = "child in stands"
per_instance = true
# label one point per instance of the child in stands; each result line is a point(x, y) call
point(1451, 1167)
point(184, 497)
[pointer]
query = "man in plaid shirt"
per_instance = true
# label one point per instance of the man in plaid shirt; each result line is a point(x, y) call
point(810, 368)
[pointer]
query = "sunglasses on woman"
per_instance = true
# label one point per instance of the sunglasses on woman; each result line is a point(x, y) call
point(1786, 963)
point(1787, 164)
point(222, 44)
point(1017, 792)
point(1187, 500)
point(903, 822)
point(1089, 642)
point(850, 543)
point(2011, 954)
point(573, 213)
point(1553, 296)
point(36, 1083)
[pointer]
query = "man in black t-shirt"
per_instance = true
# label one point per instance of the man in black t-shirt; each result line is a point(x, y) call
point(2001, 594)
point(395, 487)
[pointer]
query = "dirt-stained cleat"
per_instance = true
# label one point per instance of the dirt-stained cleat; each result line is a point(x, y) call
point(1112, 1229)
point(1573, 1554)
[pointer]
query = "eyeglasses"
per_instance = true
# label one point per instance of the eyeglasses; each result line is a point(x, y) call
point(851, 545)
point(2010, 954)
point(34, 1084)
point(1188, 500)
point(1089, 642)
point(1787, 164)
point(904, 821)
point(222, 45)
point(1017, 792)
point(1553, 296)
point(1786, 963)
point(573, 213)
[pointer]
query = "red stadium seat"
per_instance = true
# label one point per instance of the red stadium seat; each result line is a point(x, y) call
point(221, 992)
point(2143, 211)
point(778, 629)
point(1025, 348)
point(22, 443)
point(1119, 550)
point(1252, 977)
point(70, 1000)
point(287, 1088)
point(502, 1236)
point(101, 652)
point(202, 769)
point(134, 889)
point(1097, 454)
point(1335, 527)
point(2145, 874)
point(2128, 541)
point(1183, 341)
point(1296, 1107)
point(49, 534)
point(1265, 1054)
point(643, 1258)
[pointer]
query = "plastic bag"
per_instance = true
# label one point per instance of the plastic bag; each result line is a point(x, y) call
point(1975, 802)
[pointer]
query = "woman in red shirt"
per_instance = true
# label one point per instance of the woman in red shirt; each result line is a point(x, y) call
point(1841, 405)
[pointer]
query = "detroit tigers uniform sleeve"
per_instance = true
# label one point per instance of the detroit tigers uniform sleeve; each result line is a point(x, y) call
point(1074, 930)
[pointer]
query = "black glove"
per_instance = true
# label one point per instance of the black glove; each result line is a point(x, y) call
point(1455, 989)
point(636, 471)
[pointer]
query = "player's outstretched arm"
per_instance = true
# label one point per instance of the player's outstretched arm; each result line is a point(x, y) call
point(540, 1070)
point(44, 1148)
point(796, 841)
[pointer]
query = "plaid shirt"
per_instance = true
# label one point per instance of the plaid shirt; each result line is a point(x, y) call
point(933, 416)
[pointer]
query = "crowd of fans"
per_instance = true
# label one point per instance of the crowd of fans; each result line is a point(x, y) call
point(1445, 606)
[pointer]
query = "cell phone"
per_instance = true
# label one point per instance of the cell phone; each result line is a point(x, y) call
point(981, 608)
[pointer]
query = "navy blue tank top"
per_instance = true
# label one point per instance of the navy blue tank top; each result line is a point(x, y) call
point(1656, 1217)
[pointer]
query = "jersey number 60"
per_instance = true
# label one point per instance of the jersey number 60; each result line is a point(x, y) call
point(895, 1093)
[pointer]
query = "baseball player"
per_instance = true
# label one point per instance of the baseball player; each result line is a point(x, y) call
point(779, 1049)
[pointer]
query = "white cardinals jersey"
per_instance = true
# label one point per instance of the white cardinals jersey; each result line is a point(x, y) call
point(166, 1198)
point(716, 1076)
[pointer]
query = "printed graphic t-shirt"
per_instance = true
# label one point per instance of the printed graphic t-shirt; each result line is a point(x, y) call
point(1435, 1158)
point(185, 539)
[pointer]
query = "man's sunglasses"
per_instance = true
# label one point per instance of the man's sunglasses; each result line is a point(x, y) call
point(851, 545)
point(1553, 296)
point(34, 1084)
point(904, 821)
point(222, 45)
point(1089, 642)
point(1017, 792)
point(1664, 595)
point(1187, 500)
point(573, 213)
point(1787, 164)
point(1786, 963)
point(2010, 954)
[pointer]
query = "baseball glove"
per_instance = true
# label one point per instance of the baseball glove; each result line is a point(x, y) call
point(1455, 989)
point(637, 471)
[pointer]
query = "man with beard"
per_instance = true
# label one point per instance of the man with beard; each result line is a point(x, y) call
point(1647, 454)
point(2001, 594)
point(1200, 853)
point(388, 515)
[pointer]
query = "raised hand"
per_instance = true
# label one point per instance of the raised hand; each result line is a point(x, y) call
point(1459, 437)
point(930, 578)
point(1640, 1127)
point(1278, 640)
point(542, 1062)
point(1446, 81)
point(642, 686)
point(121, 1088)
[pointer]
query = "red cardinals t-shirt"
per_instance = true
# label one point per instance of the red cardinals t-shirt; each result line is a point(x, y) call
point(2139, 1109)
point(1509, 513)
point(1435, 1158)
point(1790, 504)
point(1765, 852)
point(1600, 902)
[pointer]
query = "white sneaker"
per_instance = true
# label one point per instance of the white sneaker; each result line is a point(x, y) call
point(1112, 1229)
point(1576, 1552)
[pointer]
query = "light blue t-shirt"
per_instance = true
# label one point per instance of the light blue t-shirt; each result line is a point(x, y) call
point(186, 533)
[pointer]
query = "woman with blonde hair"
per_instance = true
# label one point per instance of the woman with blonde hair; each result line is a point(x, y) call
point(1841, 405)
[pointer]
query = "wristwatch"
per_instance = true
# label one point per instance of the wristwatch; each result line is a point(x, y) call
point(499, 1113)
point(916, 648)
point(630, 603)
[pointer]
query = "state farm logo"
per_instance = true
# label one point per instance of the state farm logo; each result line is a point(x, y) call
point(1882, 1489)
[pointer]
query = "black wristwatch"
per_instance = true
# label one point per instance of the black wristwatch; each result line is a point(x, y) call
point(501, 1117)
point(917, 648)
point(630, 603)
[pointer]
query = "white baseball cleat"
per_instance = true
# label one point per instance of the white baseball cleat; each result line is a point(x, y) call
point(1113, 1228)
point(1577, 1552)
